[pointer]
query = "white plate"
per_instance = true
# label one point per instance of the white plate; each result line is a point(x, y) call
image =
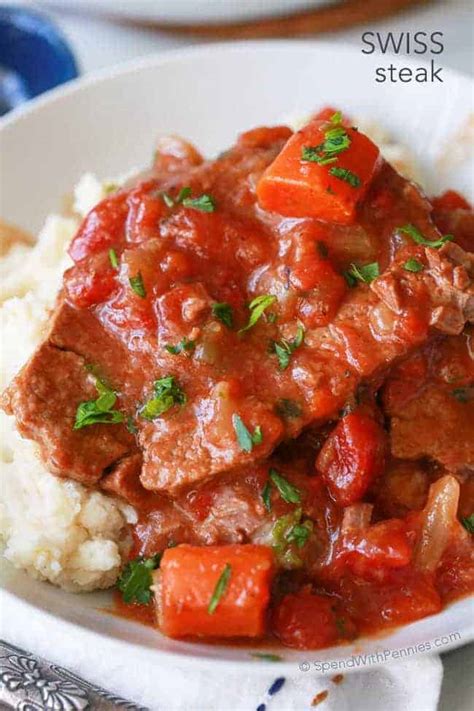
point(188, 11)
point(109, 123)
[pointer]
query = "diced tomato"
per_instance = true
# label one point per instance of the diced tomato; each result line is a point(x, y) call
point(352, 456)
point(174, 154)
point(406, 596)
point(450, 200)
point(326, 289)
point(264, 136)
point(370, 552)
point(305, 621)
point(200, 502)
point(102, 228)
point(295, 187)
point(188, 580)
point(91, 281)
point(412, 326)
point(144, 214)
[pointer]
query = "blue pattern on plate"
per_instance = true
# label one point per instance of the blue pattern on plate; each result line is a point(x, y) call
point(34, 56)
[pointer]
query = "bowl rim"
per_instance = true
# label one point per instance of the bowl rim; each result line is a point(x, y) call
point(163, 58)
point(183, 53)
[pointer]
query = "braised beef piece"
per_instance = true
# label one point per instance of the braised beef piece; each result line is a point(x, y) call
point(44, 398)
point(45, 395)
point(430, 401)
point(175, 263)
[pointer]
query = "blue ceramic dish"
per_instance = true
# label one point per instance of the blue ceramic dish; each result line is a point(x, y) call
point(34, 56)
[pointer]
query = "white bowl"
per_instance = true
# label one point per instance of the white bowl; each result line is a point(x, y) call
point(108, 124)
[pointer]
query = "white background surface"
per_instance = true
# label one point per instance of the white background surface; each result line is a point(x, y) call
point(97, 44)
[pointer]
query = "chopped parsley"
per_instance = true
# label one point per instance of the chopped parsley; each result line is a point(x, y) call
point(184, 346)
point(171, 202)
point(203, 203)
point(287, 491)
point(284, 349)
point(265, 656)
point(113, 258)
point(284, 536)
point(219, 590)
point(468, 523)
point(246, 440)
point(462, 394)
point(183, 194)
point(100, 410)
point(257, 308)
point(223, 312)
point(168, 200)
point(266, 496)
point(413, 265)
point(167, 393)
point(300, 533)
point(136, 282)
point(336, 141)
point(417, 237)
point(365, 273)
point(136, 579)
point(346, 175)
point(288, 409)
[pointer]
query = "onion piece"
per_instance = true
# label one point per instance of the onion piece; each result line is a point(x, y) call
point(356, 517)
point(439, 519)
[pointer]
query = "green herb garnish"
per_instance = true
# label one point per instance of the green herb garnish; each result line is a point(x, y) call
point(284, 535)
point(167, 394)
point(223, 312)
point(346, 175)
point(168, 200)
point(113, 258)
point(417, 237)
point(284, 349)
point(100, 410)
point(468, 523)
point(287, 491)
point(246, 440)
point(300, 533)
point(257, 307)
point(413, 265)
point(183, 194)
point(136, 579)
point(266, 496)
point(136, 282)
point(365, 273)
point(184, 346)
point(219, 590)
point(264, 656)
point(336, 140)
point(203, 203)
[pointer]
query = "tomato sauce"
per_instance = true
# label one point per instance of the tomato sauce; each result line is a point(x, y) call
point(283, 333)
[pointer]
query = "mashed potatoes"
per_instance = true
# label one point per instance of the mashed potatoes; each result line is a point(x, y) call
point(55, 530)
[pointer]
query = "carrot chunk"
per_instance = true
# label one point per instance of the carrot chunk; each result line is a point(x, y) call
point(305, 181)
point(214, 591)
